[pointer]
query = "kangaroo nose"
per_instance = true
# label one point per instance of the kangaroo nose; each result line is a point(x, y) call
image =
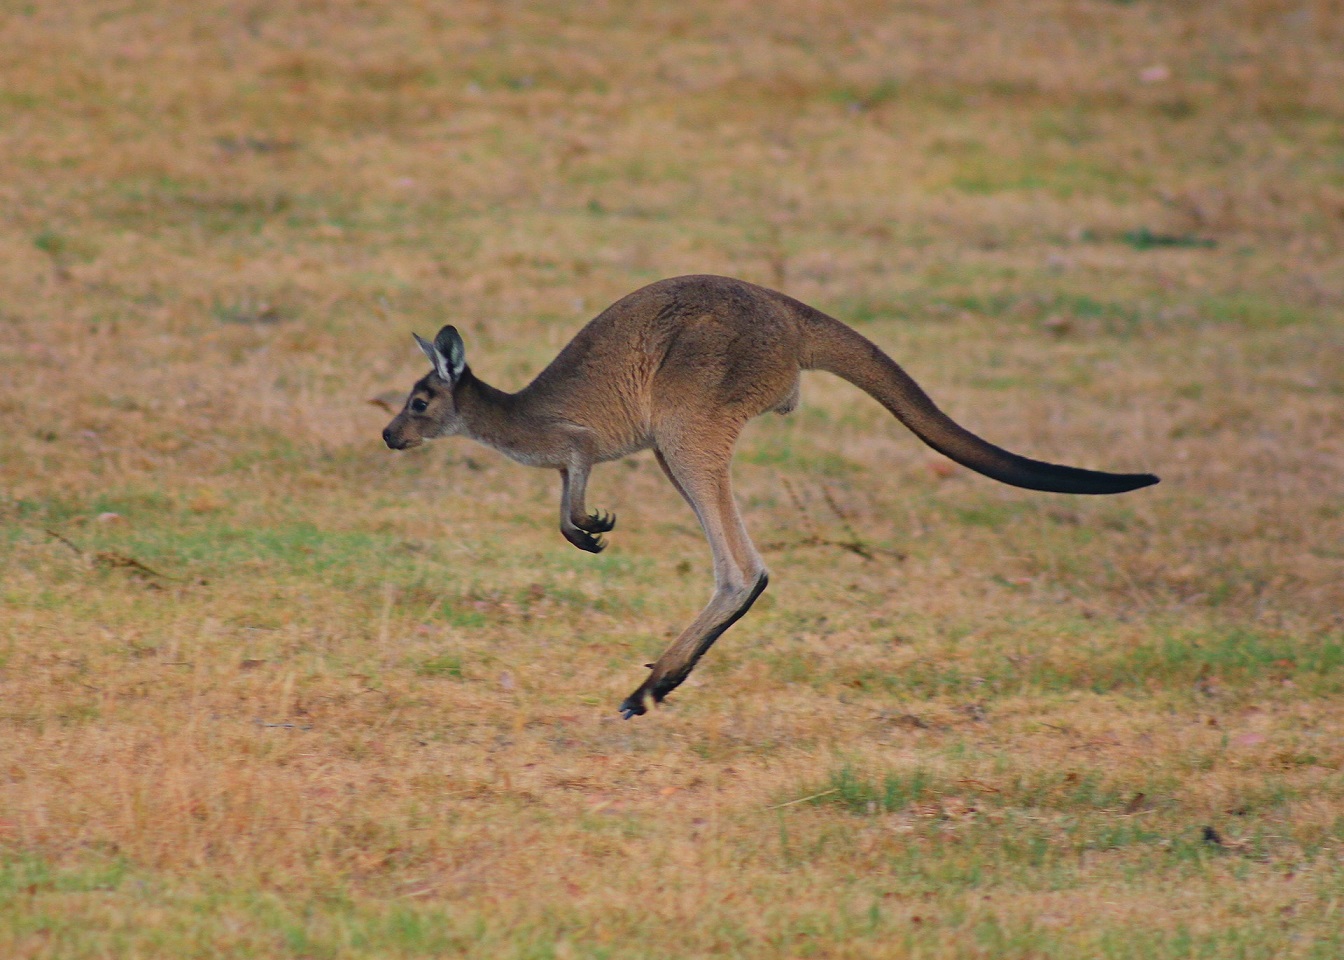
point(387, 437)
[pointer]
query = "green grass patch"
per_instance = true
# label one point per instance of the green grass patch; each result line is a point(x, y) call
point(24, 876)
point(442, 665)
point(858, 794)
point(1058, 655)
point(1145, 239)
point(778, 445)
point(991, 516)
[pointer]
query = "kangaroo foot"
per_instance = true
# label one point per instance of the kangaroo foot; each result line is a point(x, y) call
point(656, 687)
point(633, 706)
point(597, 522)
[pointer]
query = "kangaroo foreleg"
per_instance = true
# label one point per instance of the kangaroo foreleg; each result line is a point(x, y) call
point(576, 523)
point(739, 575)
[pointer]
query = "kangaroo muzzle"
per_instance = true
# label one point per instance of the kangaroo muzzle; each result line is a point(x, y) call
point(395, 441)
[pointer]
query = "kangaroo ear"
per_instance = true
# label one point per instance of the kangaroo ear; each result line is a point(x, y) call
point(449, 343)
point(447, 353)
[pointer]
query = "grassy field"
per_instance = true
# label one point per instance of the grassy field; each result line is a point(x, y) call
point(270, 690)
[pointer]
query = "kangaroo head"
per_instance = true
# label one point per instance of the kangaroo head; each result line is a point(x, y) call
point(431, 410)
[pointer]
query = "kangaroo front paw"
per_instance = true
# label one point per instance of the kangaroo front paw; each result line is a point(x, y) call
point(583, 540)
point(597, 522)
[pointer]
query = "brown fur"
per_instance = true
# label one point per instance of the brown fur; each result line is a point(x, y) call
point(679, 367)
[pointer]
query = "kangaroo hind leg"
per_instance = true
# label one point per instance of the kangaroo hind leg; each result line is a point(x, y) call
point(702, 477)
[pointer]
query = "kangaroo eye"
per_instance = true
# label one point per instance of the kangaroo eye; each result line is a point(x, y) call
point(418, 405)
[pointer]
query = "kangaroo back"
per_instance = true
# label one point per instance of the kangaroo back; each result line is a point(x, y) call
point(838, 349)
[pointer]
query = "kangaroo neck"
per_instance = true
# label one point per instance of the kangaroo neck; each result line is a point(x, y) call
point(498, 419)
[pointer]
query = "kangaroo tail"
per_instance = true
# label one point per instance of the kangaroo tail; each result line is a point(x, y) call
point(838, 349)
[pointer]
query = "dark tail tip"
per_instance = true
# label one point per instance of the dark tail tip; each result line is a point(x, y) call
point(1124, 482)
point(1054, 478)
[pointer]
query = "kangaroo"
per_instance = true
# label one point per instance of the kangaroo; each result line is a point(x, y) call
point(679, 367)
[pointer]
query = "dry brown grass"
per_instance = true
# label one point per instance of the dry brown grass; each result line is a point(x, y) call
point(267, 689)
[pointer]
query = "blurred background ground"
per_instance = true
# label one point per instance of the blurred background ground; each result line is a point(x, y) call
point(267, 689)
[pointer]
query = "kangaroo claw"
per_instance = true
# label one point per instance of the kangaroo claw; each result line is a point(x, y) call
point(599, 522)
